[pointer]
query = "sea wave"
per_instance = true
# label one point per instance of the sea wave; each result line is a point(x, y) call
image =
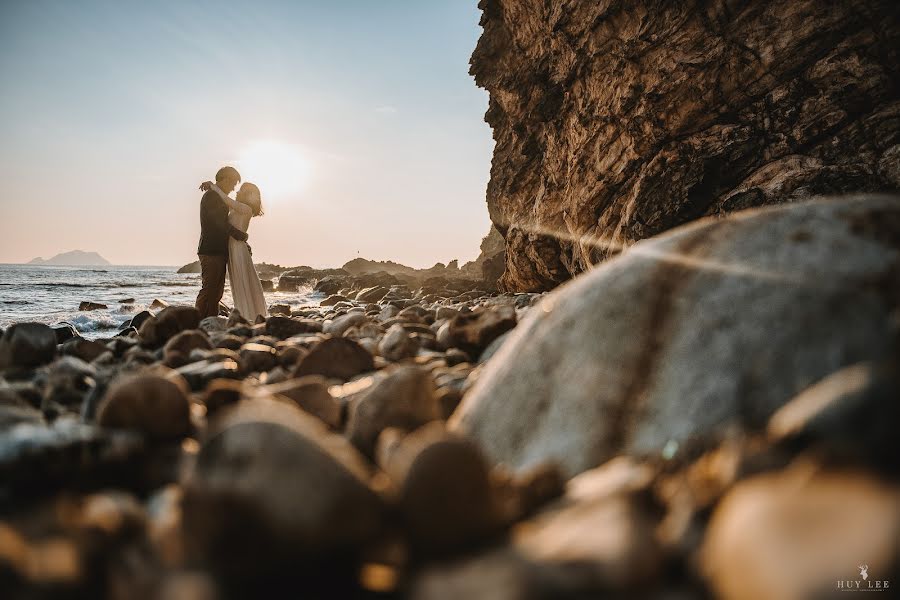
point(67, 284)
point(85, 323)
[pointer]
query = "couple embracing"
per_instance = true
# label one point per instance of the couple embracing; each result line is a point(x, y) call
point(223, 246)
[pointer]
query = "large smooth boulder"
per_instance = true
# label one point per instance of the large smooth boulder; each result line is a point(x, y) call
point(274, 490)
point(715, 323)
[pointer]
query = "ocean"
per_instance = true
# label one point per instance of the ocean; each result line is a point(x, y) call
point(52, 294)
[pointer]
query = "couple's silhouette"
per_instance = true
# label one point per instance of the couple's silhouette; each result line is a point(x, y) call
point(223, 246)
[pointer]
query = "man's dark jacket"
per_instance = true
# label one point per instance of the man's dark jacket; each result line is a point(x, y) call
point(214, 226)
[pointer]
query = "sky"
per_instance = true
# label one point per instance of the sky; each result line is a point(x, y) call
point(357, 119)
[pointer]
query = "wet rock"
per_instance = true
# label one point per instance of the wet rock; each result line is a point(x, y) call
point(329, 284)
point(138, 319)
point(69, 379)
point(341, 324)
point(372, 294)
point(157, 330)
point(388, 312)
point(128, 331)
point(404, 399)
point(243, 513)
point(397, 344)
point(126, 301)
point(602, 367)
point(497, 574)
point(332, 300)
point(850, 416)
point(212, 325)
point(221, 393)
point(335, 357)
point(85, 306)
point(235, 319)
point(230, 342)
point(445, 313)
point(13, 414)
point(280, 309)
point(455, 356)
point(285, 327)
point(255, 358)
point(186, 342)
point(595, 544)
point(157, 303)
point(86, 350)
point(267, 285)
point(199, 374)
point(64, 332)
point(289, 355)
point(151, 404)
point(443, 488)
point(801, 531)
point(47, 457)
point(473, 332)
point(310, 393)
point(27, 345)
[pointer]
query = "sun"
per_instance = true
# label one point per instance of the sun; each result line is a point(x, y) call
point(281, 170)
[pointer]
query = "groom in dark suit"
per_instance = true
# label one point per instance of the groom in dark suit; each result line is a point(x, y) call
point(213, 249)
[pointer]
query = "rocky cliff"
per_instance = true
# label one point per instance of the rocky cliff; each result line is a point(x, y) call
point(615, 121)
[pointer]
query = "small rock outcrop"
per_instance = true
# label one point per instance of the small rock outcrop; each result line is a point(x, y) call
point(614, 122)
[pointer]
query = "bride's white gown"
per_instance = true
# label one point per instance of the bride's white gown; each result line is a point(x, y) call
point(246, 290)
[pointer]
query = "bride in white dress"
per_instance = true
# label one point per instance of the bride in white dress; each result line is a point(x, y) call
point(246, 290)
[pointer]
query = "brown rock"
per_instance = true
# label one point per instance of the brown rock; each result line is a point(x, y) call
point(403, 398)
point(290, 355)
point(86, 350)
point(397, 344)
point(221, 393)
point(472, 332)
point(311, 394)
point(372, 294)
point(800, 532)
point(333, 299)
point(444, 492)
point(271, 485)
point(27, 345)
point(255, 358)
point(85, 306)
point(185, 342)
point(280, 309)
point(157, 330)
point(155, 405)
point(336, 357)
point(285, 327)
point(341, 324)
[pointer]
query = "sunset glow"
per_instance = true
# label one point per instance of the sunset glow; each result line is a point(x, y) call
point(280, 169)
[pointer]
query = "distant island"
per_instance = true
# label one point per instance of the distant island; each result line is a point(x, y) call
point(76, 258)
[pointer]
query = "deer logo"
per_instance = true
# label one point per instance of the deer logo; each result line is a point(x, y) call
point(863, 571)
